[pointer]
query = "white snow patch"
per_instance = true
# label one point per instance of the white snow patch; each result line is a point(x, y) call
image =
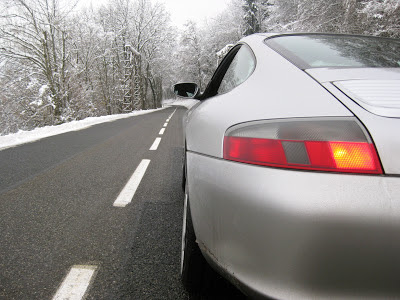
point(43, 90)
point(23, 137)
point(188, 103)
point(378, 16)
point(221, 53)
point(32, 83)
point(37, 102)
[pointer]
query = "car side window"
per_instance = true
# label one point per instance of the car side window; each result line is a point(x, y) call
point(241, 67)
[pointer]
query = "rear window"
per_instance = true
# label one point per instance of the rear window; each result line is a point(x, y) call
point(326, 51)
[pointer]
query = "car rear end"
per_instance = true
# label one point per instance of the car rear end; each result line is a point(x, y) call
point(304, 203)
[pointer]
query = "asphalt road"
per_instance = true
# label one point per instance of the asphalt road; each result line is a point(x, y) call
point(56, 212)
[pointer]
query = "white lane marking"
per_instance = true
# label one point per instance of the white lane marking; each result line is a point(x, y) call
point(165, 124)
point(172, 113)
point(167, 120)
point(75, 283)
point(161, 131)
point(155, 144)
point(127, 193)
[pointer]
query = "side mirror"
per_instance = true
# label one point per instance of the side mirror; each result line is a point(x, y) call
point(186, 90)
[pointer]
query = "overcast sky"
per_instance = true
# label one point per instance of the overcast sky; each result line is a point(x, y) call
point(182, 10)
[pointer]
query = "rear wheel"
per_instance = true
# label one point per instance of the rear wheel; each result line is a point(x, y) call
point(198, 278)
point(193, 263)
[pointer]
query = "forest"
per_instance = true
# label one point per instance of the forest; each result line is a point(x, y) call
point(59, 63)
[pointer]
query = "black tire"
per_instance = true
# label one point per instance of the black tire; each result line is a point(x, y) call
point(193, 264)
point(184, 170)
point(183, 177)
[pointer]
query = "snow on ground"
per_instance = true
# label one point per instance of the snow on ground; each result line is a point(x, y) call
point(22, 137)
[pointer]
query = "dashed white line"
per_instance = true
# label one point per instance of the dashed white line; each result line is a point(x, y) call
point(78, 279)
point(127, 193)
point(75, 283)
point(155, 144)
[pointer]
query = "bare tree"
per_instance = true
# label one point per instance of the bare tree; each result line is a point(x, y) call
point(140, 32)
point(380, 17)
point(193, 55)
point(35, 31)
point(151, 35)
point(255, 12)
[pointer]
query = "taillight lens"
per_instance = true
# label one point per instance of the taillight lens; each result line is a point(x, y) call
point(337, 144)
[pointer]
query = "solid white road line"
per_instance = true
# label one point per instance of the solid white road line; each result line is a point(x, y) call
point(165, 124)
point(127, 193)
point(76, 283)
point(155, 144)
point(161, 131)
point(170, 116)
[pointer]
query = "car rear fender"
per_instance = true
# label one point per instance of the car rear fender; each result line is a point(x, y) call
point(383, 131)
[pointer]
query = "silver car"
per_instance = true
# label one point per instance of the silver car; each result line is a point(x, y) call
point(292, 168)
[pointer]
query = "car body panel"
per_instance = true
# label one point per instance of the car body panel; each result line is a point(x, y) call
point(381, 128)
point(278, 98)
point(339, 74)
point(292, 234)
point(297, 234)
point(375, 89)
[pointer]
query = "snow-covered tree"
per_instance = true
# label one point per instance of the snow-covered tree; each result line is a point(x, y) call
point(192, 56)
point(152, 37)
point(250, 9)
point(59, 64)
point(255, 12)
point(35, 32)
point(377, 17)
point(381, 17)
point(30, 108)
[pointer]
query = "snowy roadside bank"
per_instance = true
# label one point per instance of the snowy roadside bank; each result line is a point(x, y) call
point(23, 137)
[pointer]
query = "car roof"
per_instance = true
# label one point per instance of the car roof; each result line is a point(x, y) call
point(264, 35)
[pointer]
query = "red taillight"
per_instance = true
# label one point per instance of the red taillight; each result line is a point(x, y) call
point(254, 150)
point(338, 156)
